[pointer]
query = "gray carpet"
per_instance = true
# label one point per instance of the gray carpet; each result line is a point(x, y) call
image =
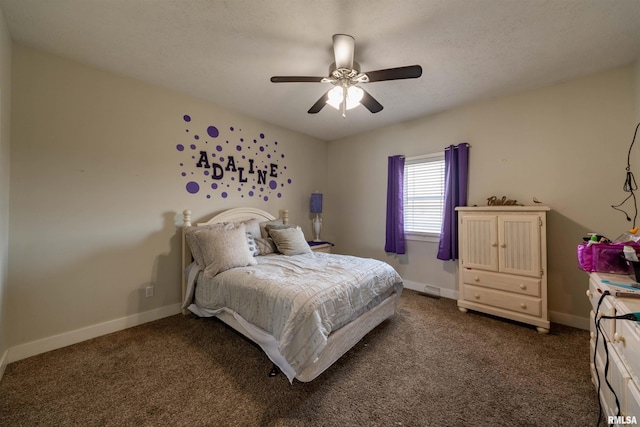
point(430, 365)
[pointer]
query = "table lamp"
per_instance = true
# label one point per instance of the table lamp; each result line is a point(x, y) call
point(316, 208)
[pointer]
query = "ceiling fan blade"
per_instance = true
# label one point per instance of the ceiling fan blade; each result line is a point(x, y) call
point(370, 102)
point(296, 79)
point(409, 72)
point(343, 48)
point(315, 108)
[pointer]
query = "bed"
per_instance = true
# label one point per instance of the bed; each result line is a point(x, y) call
point(304, 309)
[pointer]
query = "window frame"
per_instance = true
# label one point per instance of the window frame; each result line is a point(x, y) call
point(420, 235)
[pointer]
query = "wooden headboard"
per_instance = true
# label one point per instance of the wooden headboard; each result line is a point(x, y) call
point(231, 215)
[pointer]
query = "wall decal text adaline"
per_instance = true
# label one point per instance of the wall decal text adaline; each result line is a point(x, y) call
point(223, 163)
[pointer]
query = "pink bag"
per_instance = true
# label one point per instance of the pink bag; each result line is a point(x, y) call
point(605, 257)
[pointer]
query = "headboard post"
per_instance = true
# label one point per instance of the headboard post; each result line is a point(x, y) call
point(285, 216)
point(186, 253)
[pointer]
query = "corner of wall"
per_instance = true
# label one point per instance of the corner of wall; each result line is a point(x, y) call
point(3, 363)
point(5, 110)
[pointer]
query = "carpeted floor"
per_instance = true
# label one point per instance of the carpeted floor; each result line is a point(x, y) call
point(430, 365)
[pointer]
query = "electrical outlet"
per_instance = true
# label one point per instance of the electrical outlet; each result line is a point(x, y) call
point(148, 291)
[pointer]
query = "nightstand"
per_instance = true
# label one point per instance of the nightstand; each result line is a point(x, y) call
point(321, 246)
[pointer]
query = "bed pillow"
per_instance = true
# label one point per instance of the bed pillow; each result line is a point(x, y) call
point(253, 247)
point(270, 227)
point(190, 236)
point(263, 232)
point(253, 227)
point(265, 246)
point(290, 241)
point(223, 249)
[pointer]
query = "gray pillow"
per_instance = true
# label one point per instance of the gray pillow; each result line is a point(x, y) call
point(190, 236)
point(253, 247)
point(223, 249)
point(270, 227)
point(263, 225)
point(253, 227)
point(290, 241)
point(265, 246)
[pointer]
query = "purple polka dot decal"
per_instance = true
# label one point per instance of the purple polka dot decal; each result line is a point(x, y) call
point(193, 187)
point(213, 132)
point(209, 170)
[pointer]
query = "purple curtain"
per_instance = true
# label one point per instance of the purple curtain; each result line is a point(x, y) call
point(395, 206)
point(456, 183)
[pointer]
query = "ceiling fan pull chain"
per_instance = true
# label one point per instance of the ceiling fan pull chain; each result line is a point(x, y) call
point(344, 101)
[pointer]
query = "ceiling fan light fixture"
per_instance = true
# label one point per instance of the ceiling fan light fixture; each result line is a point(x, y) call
point(335, 97)
point(354, 96)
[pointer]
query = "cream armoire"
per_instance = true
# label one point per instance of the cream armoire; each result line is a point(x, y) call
point(503, 262)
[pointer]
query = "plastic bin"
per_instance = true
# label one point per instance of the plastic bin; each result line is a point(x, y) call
point(605, 257)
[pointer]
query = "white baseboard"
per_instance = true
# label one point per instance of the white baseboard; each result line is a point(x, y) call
point(556, 317)
point(55, 342)
point(431, 289)
point(569, 320)
point(3, 363)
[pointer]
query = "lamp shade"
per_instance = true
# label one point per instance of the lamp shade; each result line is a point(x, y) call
point(316, 202)
point(354, 96)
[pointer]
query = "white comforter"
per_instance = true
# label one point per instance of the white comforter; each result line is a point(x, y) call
point(300, 299)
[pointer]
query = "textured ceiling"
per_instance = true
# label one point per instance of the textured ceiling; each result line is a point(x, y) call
point(224, 52)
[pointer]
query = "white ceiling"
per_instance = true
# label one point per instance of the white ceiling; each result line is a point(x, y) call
point(224, 52)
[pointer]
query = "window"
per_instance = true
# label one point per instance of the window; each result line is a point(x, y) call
point(423, 196)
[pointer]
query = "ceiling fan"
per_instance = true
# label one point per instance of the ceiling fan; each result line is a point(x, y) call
point(345, 76)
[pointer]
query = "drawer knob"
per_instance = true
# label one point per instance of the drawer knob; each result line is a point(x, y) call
point(503, 245)
point(523, 306)
point(523, 286)
point(476, 279)
point(592, 335)
point(618, 338)
point(494, 244)
point(589, 293)
point(476, 296)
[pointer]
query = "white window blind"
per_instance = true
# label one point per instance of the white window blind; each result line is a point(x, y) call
point(423, 194)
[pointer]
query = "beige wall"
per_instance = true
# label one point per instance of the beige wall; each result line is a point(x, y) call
point(97, 190)
point(565, 144)
point(5, 113)
point(637, 88)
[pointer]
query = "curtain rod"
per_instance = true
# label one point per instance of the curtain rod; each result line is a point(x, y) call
point(456, 146)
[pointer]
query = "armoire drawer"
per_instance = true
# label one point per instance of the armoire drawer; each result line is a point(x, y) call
point(504, 282)
point(509, 301)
